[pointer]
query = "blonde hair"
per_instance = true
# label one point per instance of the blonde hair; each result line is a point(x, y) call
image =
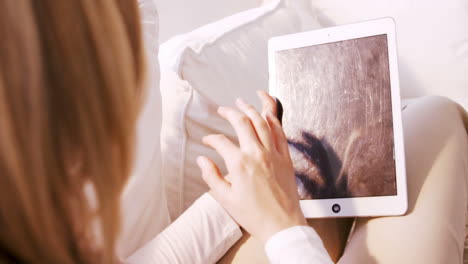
point(70, 73)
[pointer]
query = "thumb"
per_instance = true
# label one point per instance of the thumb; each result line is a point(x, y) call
point(212, 176)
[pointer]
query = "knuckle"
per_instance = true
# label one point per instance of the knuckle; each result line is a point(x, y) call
point(250, 108)
point(242, 119)
point(242, 162)
point(219, 137)
point(262, 124)
point(263, 156)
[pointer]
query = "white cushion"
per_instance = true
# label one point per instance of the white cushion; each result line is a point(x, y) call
point(432, 40)
point(208, 67)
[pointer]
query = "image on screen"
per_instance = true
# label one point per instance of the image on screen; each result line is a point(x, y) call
point(338, 117)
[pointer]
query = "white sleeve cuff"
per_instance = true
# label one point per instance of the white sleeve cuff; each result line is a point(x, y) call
point(231, 230)
point(202, 234)
point(298, 244)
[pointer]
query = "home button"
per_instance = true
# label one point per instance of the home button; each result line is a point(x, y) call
point(336, 208)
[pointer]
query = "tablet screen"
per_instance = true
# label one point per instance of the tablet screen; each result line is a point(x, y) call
point(338, 117)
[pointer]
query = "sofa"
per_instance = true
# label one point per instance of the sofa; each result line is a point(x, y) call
point(211, 52)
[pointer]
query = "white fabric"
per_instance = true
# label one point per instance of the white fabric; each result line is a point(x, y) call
point(181, 16)
point(208, 67)
point(296, 245)
point(201, 235)
point(205, 231)
point(144, 205)
point(432, 40)
point(229, 58)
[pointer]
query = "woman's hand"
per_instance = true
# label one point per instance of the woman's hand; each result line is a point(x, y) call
point(259, 191)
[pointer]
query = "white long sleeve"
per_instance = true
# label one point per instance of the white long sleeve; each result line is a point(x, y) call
point(296, 245)
point(202, 234)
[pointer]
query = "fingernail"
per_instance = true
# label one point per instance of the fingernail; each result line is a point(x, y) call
point(221, 109)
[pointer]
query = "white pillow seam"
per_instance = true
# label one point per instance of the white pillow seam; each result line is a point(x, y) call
point(184, 146)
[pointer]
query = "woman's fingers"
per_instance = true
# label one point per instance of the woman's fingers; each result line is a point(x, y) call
point(261, 127)
point(213, 177)
point(222, 145)
point(268, 104)
point(281, 141)
point(242, 125)
point(225, 148)
point(269, 111)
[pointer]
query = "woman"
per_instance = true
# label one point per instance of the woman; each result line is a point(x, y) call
point(71, 74)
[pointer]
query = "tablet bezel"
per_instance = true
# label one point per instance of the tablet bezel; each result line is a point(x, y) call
point(356, 206)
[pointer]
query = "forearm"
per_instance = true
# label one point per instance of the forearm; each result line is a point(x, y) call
point(202, 234)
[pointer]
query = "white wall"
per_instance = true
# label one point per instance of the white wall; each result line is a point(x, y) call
point(180, 16)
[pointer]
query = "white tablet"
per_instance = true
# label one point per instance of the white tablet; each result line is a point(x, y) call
point(340, 94)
